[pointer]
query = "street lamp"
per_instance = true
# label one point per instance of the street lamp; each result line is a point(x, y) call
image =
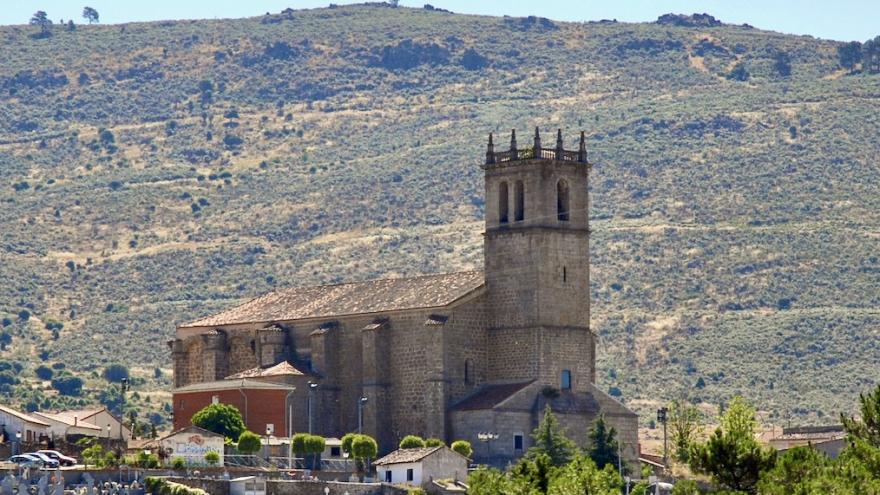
point(662, 418)
point(124, 386)
point(361, 403)
point(312, 387)
point(17, 441)
point(486, 438)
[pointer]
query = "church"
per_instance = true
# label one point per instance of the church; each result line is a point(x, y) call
point(473, 355)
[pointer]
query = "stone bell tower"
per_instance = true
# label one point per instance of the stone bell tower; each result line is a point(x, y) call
point(537, 264)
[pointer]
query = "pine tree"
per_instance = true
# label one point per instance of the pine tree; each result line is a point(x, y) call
point(603, 444)
point(551, 440)
point(867, 426)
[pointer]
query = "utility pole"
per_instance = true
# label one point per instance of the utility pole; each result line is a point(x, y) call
point(312, 387)
point(662, 418)
point(361, 403)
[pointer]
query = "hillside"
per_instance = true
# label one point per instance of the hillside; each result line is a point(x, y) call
point(152, 173)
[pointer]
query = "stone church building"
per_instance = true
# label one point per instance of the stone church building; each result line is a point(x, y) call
point(449, 355)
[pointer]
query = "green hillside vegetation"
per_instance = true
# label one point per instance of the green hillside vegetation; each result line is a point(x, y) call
point(153, 173)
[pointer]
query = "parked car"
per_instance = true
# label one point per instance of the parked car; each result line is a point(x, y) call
point(58, 456)
point(48, 462)
point(26, 460)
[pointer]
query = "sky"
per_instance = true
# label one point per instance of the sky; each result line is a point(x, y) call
point(844, 20)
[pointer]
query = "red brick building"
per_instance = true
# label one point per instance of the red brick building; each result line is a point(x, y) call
point(261, 403)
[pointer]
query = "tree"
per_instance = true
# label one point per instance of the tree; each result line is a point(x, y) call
point(434, 442)
point(346, 442)
point(684, 427)
point(867, 426)
point(249, 442)
point(849, 55)
point(363, 448)
point(112, 398)
point(533, 473)
point(90, 15)
point(43, 372)
point(582, 476)
point(794, 472)
point(488, 481)
point(782, 63)
point(315, 445)
point(41, 19)
point(550, 439)
point(463, 447)
point(412, 442)
point(685, 487)
point(871, 55)
point(603, 445)
point(732, 456)
point(224, 419)
point(178, 463)
point(732, 461)
point(739, 72)
point(93, 455)
point(68, 385)
point(115, 373)
point(212, 458)
point(298, 444)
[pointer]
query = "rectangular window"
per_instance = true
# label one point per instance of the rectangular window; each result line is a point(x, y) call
point(518, 441)
point(388, 476)
point(335, 451)
point(565, 380)
point(409, 474)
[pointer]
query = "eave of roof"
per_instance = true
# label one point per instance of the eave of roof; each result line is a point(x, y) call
point(22, 416)
point(231, 385)
point(354, 298)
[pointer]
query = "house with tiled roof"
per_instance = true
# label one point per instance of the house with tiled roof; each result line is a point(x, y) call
point(14, 422)
point(421, 466)
point(445, 355)
point(111, 425)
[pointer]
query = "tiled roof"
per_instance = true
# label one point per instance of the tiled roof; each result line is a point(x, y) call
point(283, 368)
point(86, 413)
point(22, 416)
point(191, 429)
point(374, 296)
point(401, 456)
point(231, 385)
point(490, 396)
point(68, 418)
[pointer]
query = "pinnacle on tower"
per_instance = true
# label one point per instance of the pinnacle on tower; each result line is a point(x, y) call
point(559, 148)
point(537, 143)
point(513, 144)
point(582, 150)
point(490, 151)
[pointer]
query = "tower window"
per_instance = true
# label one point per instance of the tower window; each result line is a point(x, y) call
point(468, 371)
point(562, 207)
point(565, 380)
point(564, 274)
point(518, 202)
point(518, 441)
point(502, 202)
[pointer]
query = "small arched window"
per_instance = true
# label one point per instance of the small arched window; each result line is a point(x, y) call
point(518, 202)
point(565, 380)
point(468, 371)
point(562, 207)
point(502, 203)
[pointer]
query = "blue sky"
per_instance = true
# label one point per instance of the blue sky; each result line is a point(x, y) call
point(832, 19)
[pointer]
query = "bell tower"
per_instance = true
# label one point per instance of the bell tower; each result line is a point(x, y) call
point(537, 264)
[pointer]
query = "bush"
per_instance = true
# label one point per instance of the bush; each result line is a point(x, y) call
point(685, 487)
point(224, 419)
point(44, 372)
point(178, 463)
point(212, 458)
point(463, 447)
point(412, 442)
point(115, 373)
point(249, 442)
point(434, 442)
point(68, 385)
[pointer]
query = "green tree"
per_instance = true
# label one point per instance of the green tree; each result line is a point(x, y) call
point(581, 476)
point(739, 419)
point(298, 444)
point(488, 481)
point(463, 447)
point(684, 427)
point(867, 426)
point(178, 463)
point(90, 15)
point(43, 372)
point(412, 442)
point(685, 487)
point(93, 455)
point(871, 55)
point(534, 471)
point(739, 72)
point(434, 442)
point(68, 385)
point(249, 442)
point(795, 471)
point(315, 445)
point(224, 419)
point(849, 55)
point(782, 63)
point(732, 461)
point(363, 448)
point(115, 373)
point(603, 444)
point(550, 439)
point(346, 442)
point(212, 458)
point(40, 18)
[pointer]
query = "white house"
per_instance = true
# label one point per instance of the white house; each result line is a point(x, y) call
point(13, 422)
point(419, 467)
point(62, 425)
point(192, 443)
point(103, 418)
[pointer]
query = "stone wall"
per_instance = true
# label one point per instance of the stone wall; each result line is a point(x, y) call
point(211, 486)
point(278, 487)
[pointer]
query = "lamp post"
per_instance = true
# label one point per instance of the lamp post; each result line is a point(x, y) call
point(123, 387)
point(312, 387)
point(361, 403)
point(486, 438)
point(17, 442)
point(662, 418)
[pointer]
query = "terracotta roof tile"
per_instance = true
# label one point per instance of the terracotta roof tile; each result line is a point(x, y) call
point(374, 296)
point(490, 396)
point(283, 368)
point(401, 456)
